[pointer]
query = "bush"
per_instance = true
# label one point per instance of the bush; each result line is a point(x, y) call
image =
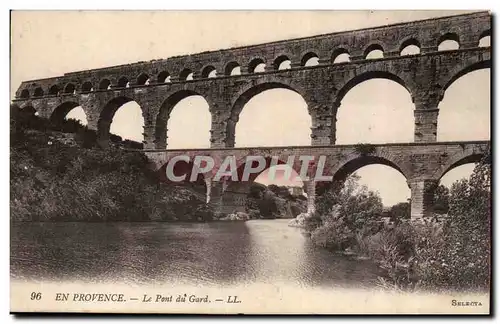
point(365, 149)
point(441, 200)
point(459, 257)
point(334, 233)
point(341, 214)
point(273, 201)
point(52, 181)
point(399, 212)
point(453, 254)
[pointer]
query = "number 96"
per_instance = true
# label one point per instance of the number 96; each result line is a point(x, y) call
point(36, 296)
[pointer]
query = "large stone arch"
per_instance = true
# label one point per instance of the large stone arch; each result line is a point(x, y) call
point(106, 116)
point(447, 108)
point(471, 64)
point(350, 83)
point(469, 155)
point(241, 163)
point(355, 161)
point(243, 96)
point(45, 107)
point(164, 114)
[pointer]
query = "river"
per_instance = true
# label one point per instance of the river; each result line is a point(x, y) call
point(203, 254)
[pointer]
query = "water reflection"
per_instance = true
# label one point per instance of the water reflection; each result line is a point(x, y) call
point(207, 254)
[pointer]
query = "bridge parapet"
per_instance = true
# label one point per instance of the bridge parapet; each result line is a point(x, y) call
point(412, 160)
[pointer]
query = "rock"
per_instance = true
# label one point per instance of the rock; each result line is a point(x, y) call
point(299, 221)
point(348, 251)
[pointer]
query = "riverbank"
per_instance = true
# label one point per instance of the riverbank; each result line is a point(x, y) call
point(62, 176)
point(435, 254)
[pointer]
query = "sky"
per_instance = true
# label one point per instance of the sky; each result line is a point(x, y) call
point(46, 44)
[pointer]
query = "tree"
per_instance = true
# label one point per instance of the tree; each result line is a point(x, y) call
point(471, 199)
point(267, 205)
point(256, 190)
point(343, 214)
point(461, 259)
point(331, 195)
point(400, 211)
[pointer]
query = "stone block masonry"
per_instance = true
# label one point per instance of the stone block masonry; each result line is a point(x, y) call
point(158, 85)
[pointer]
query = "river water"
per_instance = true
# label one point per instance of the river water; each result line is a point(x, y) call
point(203, 254)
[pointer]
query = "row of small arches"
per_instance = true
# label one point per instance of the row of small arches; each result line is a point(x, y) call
point(449, 41)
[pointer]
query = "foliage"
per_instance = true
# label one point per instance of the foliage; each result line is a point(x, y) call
point(267, 205)
point(281, 191)
point(364, 149)
point(441, 200)
point(440, 255)
point(23, 121)
point(329, 196)
point(343, 213)
point(256, 190)
point(471, 199)
point(400, 211)
point(460, 258)
point(273, 202)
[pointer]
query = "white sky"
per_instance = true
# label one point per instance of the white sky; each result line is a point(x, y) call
point(47, 44)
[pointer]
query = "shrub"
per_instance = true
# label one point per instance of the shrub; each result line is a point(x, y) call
point(453, 254)
point(441, 200)
point(399, 212)
point(57, 182)
point(333, 234)
point(459, 257)
point(343, 214)
point(365, 149)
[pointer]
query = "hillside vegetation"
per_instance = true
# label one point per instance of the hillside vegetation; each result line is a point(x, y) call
point(57, 173)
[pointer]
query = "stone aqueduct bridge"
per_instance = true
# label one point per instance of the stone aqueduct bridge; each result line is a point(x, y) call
point(157, 86)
